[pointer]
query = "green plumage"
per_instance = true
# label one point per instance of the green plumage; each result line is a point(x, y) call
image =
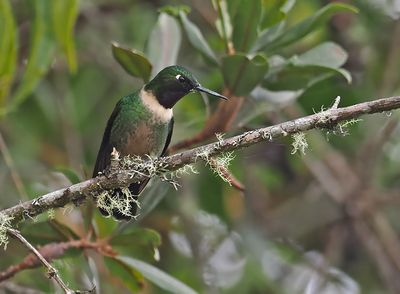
point(141, 124)
point(135, 120)
point(133, 129)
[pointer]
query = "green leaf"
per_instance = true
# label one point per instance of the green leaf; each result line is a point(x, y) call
point(233, 6)
point(192, 32)
point(164, 42)
point(174, 10)
point(245, 24)
point(64, 15)
point(272, 13)
point(298, 72)
point(70, 174)
point(242, 74)
point(328, 55)
point(47, 232)
point(223, 22)
point(134, 62)
point(308, 25)
point(104, 226)
point(8, 49)
point(157, 276)
point(288, 6)
point(137, 235)
point(265, 97)
point(295, 78)
point(131, 278)
point(271, 33)
point(196, 38)
point(267, 36)
point(345, 73)
point(64, 229)
point(152, 196)
point(40, 55)
point(136, 241)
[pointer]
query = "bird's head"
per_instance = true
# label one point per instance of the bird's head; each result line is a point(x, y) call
point(174, 82)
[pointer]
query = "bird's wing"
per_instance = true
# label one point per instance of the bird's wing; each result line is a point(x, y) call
point(103, 157)
point(169, 136)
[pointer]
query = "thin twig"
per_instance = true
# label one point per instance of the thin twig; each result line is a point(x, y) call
point(227, 175)
point(52, 272)
point(125, 176)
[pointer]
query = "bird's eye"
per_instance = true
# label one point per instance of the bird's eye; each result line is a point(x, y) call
point(181, 78)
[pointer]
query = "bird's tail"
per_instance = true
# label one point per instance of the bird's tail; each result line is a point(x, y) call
point(127, 203)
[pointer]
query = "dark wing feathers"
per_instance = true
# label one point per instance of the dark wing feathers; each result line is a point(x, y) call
point(170, 130)
point(104, 154)
point(103, 157)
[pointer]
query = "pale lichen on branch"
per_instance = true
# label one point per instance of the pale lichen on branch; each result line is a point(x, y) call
point(157, 167)
point(299, 143)
point(5, 224)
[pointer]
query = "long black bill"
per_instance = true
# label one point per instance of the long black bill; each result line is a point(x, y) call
point(205, 90)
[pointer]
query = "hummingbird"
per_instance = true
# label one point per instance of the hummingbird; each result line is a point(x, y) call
point(141, 124)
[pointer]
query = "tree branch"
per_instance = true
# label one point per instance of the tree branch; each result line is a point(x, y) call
point(52, 272)
point(122, 177)
point(219, 122)
point(54, 251)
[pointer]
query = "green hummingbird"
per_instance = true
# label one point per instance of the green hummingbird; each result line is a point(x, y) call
point(142, 123)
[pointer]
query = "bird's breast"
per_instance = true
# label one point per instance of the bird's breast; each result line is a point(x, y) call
point(146, 139)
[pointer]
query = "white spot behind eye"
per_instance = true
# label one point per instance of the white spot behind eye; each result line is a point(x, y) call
point(178, 77)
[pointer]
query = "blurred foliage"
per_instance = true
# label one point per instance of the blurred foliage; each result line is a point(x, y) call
point(62, 70)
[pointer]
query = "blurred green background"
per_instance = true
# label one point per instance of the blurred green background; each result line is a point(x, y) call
point(321, 222)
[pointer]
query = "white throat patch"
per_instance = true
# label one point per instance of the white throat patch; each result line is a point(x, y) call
point(151, 102)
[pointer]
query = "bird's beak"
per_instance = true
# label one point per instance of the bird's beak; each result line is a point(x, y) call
point(205, 90)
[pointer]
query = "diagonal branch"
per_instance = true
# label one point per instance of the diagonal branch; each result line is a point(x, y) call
point(53, 251)
point(52, 272)
point(219, 122)
point(124, 176)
